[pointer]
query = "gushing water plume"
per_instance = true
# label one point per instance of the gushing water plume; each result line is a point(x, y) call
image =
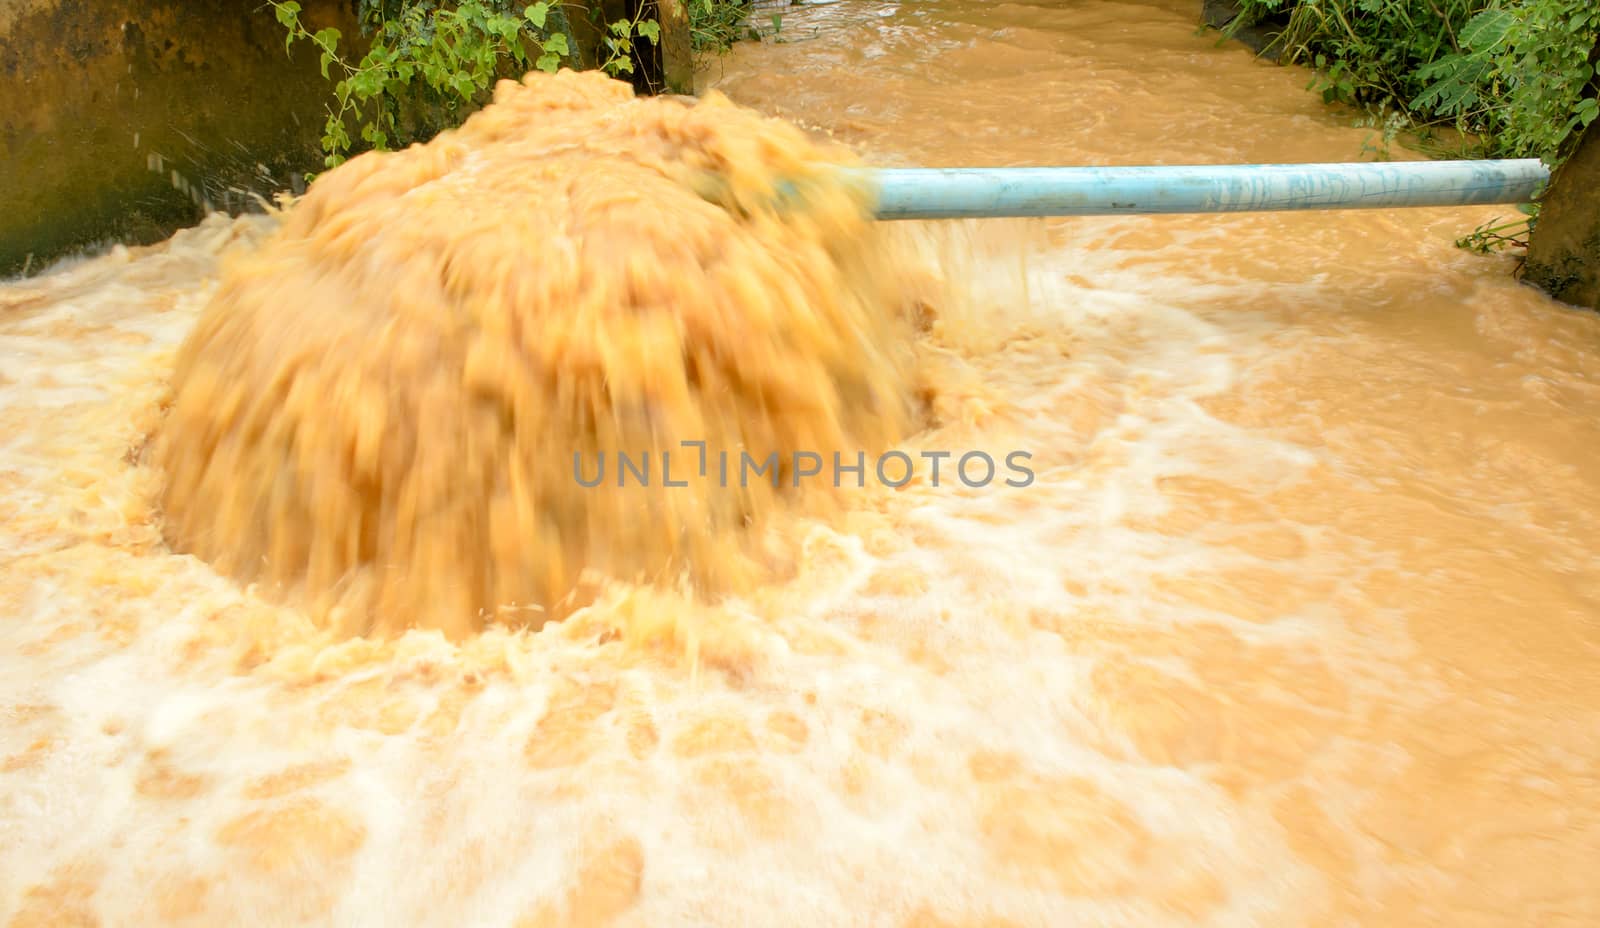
point(379, 410)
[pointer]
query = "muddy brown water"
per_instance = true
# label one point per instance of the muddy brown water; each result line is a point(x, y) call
point(1299, 623)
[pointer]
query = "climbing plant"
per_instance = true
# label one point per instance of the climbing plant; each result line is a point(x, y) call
point(442, 57)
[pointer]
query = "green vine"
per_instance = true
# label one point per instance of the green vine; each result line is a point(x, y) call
point(443, 57)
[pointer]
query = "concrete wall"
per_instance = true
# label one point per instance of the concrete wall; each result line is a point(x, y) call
point(126, 119)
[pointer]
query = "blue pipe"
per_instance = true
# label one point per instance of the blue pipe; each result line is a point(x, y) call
point(969, 193)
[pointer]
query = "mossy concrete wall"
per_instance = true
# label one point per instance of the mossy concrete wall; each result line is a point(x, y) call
point(127, 119)
point(1564, 250)
point(124, 120)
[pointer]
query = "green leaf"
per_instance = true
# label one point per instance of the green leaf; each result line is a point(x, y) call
point(327, 59)
point(548, 62)
point(1444, 67)
point(366, 84)
point(1587, 110)
point(287, 13)
point(651, 30)
point(1486, 30)
point(537, 13)
point(327, 39)
point(557, 44)
point(621, 27)
point(334, 137)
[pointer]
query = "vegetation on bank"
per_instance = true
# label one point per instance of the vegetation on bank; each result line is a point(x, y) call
point(1515, 78)
point(714, 25)
point(430, 64)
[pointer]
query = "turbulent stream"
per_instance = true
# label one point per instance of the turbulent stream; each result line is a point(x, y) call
point(1298, 622)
